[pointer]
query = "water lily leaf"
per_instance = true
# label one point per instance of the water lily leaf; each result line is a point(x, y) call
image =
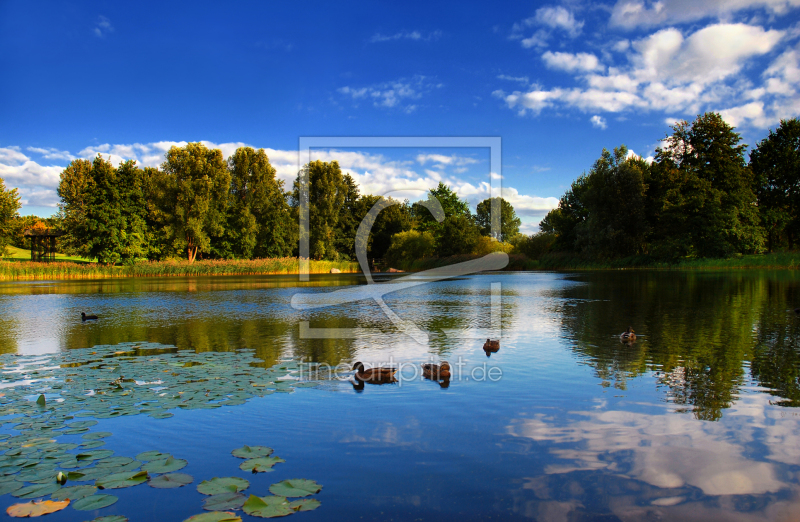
point(251, 452)
point(219, 485)
point(41, 402)
point(110, 518)
point(170, 480)
point(94, 455)
point(9, 487)
point(147, 456)
point(38, 490)
point(267, 507)
point(167, 465)
point(161, 415)
point(112, 462)
point(82, 424)
point(215, 516)
point(93, 502)
point(97, 435)
point(92, 444)
point(74, 492)
point(223, 501)
point(122, 480)
point(305, 504)
point(260, 464)
point(295, 488)
point(36, 509)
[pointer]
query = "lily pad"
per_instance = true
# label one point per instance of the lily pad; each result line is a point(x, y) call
point(223, 501)
point(94, 502)
point(162, 415)
point(147, 456)
point(305, 504)
point(219, 485)
point(36, 509)
point(92, 444)
point(110, 518)
point(215, 516)
point(267, 507)
point(97, 435)
point(112, 462)
point(251, 452)
point(167, 465)
point(38, 490)
point(74, 492)
point(94, 455)
point(170, 480)
point(122, 480)
point(9, 487)
point(260, 464)
point(295, 488)
point(41, 402)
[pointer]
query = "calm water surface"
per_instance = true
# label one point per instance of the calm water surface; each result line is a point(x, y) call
point(695, 421)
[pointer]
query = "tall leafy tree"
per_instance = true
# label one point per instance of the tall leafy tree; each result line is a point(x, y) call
point(563, 221)
point(509, 222)
point(459, 235)
point(73, 190)
point(135, 237)
point(451, 204)
point(326, 195)
point(9, 207)
point(105, 224)
point(776, 168)
point(197, 187)
point(351, 213)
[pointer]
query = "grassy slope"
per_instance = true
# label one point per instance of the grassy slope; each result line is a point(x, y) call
point(23, 254)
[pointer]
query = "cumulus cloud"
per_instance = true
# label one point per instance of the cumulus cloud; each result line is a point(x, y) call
point(36, 183)
point(673, 72)
point(103, 27)
point(572, 62)
point(546, 20)
point(406, 35)
point(630, 14)
point(51, 153)
point(396, 94)
point(598, 121)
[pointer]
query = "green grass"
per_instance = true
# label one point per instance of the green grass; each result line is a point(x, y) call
point(20, 270)
point(24, 254)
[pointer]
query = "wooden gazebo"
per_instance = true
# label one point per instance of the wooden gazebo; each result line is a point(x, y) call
point(43, 243)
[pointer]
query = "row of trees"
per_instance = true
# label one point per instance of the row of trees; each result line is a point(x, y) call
point(199, 204)
point(697, 198)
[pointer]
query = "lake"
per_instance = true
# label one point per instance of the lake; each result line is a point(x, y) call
point(696, 420)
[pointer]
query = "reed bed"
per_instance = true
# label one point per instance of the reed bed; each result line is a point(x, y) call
point(17, 270)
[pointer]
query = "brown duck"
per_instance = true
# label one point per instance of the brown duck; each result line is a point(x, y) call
point(491, 347)
point(436, 372)
point(374, 375)
point(628, 336)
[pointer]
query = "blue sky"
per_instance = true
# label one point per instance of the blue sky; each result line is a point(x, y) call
point(557, 81)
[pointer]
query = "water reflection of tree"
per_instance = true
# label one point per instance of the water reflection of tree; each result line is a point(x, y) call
point(697, 330)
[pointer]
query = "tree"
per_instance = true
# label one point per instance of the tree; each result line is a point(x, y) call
point(719, 204)
point(9, 208)
point(459, 236)
point(409, 246)
point(326, 195)
point(351, 213)
point(509, 222)
point(197, 188)
point(776, 169)
point(451, 204)
point(571, 212)
point(134, 237)
point(614, 200)
point(104, 223)
point(73, 189)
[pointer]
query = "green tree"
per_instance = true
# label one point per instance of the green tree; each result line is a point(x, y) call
point(134, 237)
point(716, 196)
point(509, 222)
point(9, 208)
point(451, 204)
point(197, 188)
point(615, 205)
point(459, 236)
point(571, 212)
point(350, 215)
point(409, 246)
point(776, 168)
point(326, 195)
point(73, 190)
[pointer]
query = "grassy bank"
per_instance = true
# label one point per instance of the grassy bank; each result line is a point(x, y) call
point(16, 270)
point(24, 254)
point(558, 261)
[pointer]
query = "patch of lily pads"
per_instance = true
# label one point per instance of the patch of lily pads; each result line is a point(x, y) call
point(46, 397)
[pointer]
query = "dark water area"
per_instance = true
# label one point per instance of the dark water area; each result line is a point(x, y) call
point(696, 420)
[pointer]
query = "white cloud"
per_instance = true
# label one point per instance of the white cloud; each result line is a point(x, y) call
point(52, 153)
point(103, 27)
point(598, 121)
point(406, 35)
point(640, 13)
point(580, 62)
point(441, 160)
point(391, 94)
point(548, 19)
point(672, 72)
point(36, 183)
point(520, 79)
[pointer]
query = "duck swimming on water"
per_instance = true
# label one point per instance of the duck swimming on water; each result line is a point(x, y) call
point(374, 375)
point(491, 347)
point(436, 372)
point(628, 336)
point(85, 317)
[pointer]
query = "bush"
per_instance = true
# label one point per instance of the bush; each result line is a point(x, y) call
point(411, 245)
point(487, 245)
point(534, 246)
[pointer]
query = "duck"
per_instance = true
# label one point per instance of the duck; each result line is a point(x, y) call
point(628, 336)
point(85, 317)
point(491, 347)
point(374, 375)
point(436, 372)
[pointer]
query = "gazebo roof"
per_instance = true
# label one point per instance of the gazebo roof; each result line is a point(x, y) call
point(42, 232)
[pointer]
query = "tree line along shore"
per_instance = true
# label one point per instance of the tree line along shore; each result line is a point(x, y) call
point(698, 204)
